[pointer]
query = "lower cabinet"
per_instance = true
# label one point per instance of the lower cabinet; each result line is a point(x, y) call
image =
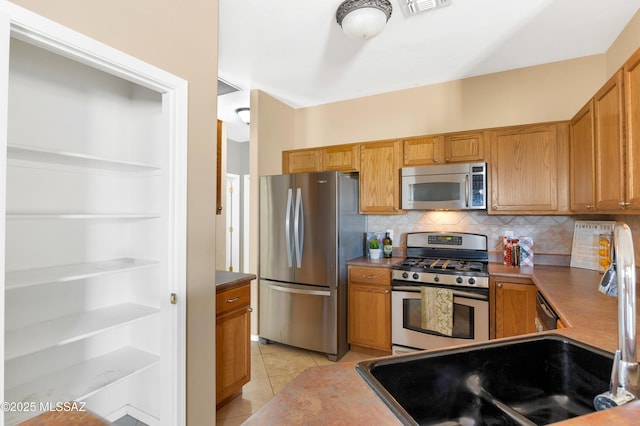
point(370, 308)
point(233, 341)
point(514, 307)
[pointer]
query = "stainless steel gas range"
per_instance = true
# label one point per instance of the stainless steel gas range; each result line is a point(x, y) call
point(457, 262)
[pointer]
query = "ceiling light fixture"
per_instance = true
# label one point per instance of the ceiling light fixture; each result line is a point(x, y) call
point(244, 114)
point(363, 19)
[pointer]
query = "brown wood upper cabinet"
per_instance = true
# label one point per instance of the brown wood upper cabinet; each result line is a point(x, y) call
point(528, 169)
point(631, 71)
point(380, 164)
point(597, 151)
point(302, 160)
point(342, 158)
point(605, 164)
point(441, 149)
point(609, 144)
point(582, 160)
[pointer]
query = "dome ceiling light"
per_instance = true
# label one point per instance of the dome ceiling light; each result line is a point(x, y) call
point(363, 19)
point(244, 114)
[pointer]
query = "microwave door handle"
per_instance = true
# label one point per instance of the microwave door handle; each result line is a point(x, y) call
point(466, 190)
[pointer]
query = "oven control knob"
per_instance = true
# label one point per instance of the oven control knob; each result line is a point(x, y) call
point(405, 275)
point(436, 279)
point(459, 280)
point(416, 276)
point(472, 281)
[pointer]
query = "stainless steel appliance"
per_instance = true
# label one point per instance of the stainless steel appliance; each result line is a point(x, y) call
point(309, 227)
point(446, 187)
point(454, 261)
point(546, 318)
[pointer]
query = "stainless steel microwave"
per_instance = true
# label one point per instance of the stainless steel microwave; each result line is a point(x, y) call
point(445, 187)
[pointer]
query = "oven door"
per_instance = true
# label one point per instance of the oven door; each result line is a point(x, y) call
point(470, 319)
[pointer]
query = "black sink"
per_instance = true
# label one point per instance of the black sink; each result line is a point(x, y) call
point(536, 380)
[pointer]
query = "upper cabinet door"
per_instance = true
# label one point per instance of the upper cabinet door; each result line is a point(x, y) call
point(609, 144)
point(524, 170)
point(582, 160)
point(441, 149)
point(632, 103)
point(380, 177)
point(464, 147)
point(341, 158)
point(302, 161)
point(422, 151)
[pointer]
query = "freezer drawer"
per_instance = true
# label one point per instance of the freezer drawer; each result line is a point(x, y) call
point(299, 315)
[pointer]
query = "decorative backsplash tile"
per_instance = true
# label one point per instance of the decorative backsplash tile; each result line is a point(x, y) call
point(552, 235)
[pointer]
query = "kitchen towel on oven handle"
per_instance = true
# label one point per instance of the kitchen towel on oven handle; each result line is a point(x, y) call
point(437, 309)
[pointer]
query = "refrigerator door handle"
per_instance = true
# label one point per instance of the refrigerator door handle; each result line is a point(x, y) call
point(325, 293)
point(287, 227)
point(298, 228)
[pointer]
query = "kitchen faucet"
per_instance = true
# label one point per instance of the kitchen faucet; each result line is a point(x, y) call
point(625, 374)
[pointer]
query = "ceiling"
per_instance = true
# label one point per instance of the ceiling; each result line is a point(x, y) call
point(296, 52)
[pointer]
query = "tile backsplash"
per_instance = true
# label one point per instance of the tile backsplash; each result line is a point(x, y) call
point(552, 235)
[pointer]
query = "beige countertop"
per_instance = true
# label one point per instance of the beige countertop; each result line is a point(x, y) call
point(336, 394)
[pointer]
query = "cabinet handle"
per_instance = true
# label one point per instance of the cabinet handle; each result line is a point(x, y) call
point(435, 160)
point(370, 277)
point(495, 207)
point(499, 285)
point(590, 206)
point(249, 309)
point(233, 299)
point(386, 292)
point(446, 160)
point(624, 204)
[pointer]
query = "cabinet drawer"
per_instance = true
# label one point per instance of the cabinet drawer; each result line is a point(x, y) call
point(365, 275)
point(233, 298)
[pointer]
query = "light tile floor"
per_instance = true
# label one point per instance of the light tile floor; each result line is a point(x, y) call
point(273, 366)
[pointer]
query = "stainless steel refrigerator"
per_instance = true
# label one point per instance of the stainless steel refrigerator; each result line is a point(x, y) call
point(309, 228)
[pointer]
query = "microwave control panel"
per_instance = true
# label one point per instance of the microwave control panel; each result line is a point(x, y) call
point(478, 183)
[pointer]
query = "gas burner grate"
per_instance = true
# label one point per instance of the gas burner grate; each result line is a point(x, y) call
point(454, 265)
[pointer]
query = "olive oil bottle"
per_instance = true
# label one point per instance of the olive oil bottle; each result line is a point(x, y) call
point(387, 248)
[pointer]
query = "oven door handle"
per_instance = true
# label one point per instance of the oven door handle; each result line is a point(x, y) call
point(468, 295)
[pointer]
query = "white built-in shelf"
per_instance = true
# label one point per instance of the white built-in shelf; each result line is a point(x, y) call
point(60, 331)
point(76, 216)
point(80, 381)
point(78, 271)
point(21, 152)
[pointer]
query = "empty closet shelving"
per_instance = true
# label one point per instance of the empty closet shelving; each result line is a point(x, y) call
point(94, 227)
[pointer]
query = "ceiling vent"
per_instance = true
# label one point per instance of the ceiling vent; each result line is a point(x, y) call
point(226, 87)
point(418, 6)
